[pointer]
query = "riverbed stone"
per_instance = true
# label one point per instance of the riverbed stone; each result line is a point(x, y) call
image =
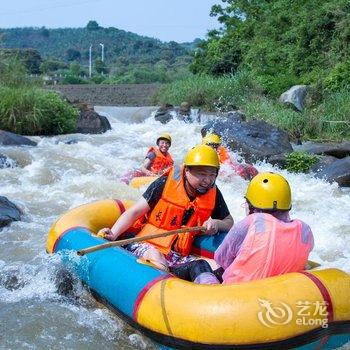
point(90, 122)
point(256, 139)
point(8, 212)
point(11, 139)
point(164, 113)
point(323, 162)
point(295, 96)
point(338, 150)
point(6, 162)
point(338, 171)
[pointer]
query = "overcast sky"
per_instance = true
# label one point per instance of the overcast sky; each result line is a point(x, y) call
point(178, 20)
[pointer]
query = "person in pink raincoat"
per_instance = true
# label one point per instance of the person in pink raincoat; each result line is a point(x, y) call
point(266, 243)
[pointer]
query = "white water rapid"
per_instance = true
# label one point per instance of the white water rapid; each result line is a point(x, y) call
point(55, 177)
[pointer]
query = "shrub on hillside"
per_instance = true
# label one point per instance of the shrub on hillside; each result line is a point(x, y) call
point(339, 77)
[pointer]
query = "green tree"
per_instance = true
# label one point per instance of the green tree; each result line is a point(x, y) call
point(75, 69)
point(92, 25)
point(282, 45)
point(45, 32)
point(32, 60)
point(100, 66)
point(73, 55)
point(49, 66)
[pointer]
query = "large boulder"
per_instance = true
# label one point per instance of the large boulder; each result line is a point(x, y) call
point(322, 163)
point(338, 150)
point(185, 113)
point(338, 171)
point(8, 212)
point(164, 113)
point(295, 96)
point(10, 139)
point(90, 122)
point(256, 140)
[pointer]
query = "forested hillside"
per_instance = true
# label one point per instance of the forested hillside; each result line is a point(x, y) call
point(72, 44)
point(281, 42)
point(264, 48)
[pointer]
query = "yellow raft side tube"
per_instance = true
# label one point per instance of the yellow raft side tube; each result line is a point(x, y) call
point(140, 181)
point(92, 216)
point(234, 314)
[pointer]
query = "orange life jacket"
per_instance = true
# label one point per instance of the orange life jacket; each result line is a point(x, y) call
point(169, 211)
point(271, 247)
point(161, 161)
point(223, 154)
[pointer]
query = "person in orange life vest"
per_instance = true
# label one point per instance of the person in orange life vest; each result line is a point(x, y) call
point(214, 141)
point(158, 159)
point(186, 196)
point(246, 171)
point(266, 243)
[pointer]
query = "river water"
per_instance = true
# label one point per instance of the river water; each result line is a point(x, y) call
point(63, 172)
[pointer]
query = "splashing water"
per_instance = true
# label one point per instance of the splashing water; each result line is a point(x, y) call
point(63, 172)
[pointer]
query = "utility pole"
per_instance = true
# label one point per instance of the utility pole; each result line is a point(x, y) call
point(90, 61)
point(102, 52)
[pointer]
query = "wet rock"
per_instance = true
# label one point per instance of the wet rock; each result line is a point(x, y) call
point(164, 113)
point(278, 160)
point(89, 122)
point(184, 113)
point(10, 139)
point(295, 96)
point(6, 162)
point(11, 280)
point(256, 140)
point(338, 171)
point(71, 142)
point(236, 116)
point(8, 212)
point(322, 163)
point(65, 282)
point(338, 150)
point(184, 110)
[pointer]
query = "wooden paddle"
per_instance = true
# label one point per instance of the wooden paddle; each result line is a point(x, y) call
point(138, 239)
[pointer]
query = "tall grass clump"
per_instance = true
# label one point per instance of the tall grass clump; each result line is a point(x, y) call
point(275, 113)
point(330, 119)
point(222, 93)
point(327, 118)
point(26, 109)
point(12, 73)
point(31, 111)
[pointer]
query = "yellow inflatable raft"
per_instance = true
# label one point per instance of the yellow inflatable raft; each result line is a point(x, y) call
point(310, 309)
point(140, 181)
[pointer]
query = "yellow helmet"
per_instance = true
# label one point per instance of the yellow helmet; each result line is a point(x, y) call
point(164, 136)
point(269, 191)
point(202, 155)
point(211, 139)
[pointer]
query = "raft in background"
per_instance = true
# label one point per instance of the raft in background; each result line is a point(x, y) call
point(261, 314)
point(140, 181)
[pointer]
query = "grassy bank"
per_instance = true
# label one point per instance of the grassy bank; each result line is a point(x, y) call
point(28, 110)
point(32, 111)
point(326, 116)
